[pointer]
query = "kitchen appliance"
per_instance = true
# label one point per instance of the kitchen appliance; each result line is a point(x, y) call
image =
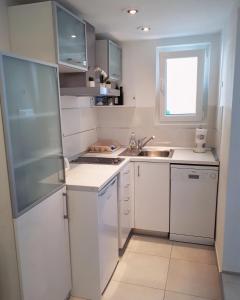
point(30, 108)
point(98, 160)
point(200, 140)
point(108, 232)
point(93, 239)
point(193, 203)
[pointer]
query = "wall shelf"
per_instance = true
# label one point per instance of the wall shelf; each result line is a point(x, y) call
point(114, 106)
point(91, 92)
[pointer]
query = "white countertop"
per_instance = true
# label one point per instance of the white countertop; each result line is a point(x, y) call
point(93, 177)
point(180, 155)
point(188, 156)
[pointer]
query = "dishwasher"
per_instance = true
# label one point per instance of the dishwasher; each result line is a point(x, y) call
point(193, 203)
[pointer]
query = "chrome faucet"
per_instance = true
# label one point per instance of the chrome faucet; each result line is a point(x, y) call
point(141, 142)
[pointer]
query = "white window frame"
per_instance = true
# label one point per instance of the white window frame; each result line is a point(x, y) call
point(201, 53)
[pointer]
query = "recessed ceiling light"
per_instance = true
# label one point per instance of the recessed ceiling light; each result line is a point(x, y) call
point(144, 28)
point(132, 11)
point(73, 36)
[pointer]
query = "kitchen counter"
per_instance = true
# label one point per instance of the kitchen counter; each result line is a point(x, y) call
point(93, 177)
point(180, 156)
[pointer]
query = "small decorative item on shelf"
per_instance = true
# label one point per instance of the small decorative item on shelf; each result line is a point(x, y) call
point(110, 101)
point(91, 82)
point(102, 82)
point(102, 76)
point(99, 101)
point(108, 84)
point(119, 100)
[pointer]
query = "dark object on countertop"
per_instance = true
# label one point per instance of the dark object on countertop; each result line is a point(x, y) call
point(98, 160)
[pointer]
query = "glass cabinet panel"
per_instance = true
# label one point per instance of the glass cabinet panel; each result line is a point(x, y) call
point(32, 131)
point(115, 61)
point(71, 39)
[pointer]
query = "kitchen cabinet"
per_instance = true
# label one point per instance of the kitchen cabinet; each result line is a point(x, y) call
point(109, 58)
point(93, 239)
point(49, 32)
point(42, 242)
point(152, 184)
point(124, 204)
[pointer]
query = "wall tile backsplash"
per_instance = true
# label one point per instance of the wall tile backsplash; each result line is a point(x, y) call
point(83, 125)
point(79, 124)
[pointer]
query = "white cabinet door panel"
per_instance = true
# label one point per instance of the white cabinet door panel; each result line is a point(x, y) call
point(108, 232)
point(152, 181)
point(43, 250)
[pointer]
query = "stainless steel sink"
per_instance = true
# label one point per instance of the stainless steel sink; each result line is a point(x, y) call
point(156, 153)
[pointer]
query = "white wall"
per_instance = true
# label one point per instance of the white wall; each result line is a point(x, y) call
point(9, 283)
point(79, 125)
point(228, 222)
point(4, 38)
point(139, 82)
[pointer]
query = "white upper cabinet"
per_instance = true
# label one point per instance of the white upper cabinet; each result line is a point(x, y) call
point(109, 58)
point(49, 32)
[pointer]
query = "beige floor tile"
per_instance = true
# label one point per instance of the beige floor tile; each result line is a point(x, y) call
point(191, 252)
point(150, 245)
point(194, 279)
point(124, 291)
point(231, 286)
point(142, 269)
point(178, 296)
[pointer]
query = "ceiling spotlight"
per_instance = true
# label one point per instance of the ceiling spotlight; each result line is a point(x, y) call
point(73, 36)
point(144, 28)
point(132, 11)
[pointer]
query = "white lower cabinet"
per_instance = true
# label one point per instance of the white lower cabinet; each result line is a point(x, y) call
point(42, 242)
point(124, 204)
point(93, 239)
point(152, 186)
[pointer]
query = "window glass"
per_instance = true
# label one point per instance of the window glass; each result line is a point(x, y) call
point(181, 86)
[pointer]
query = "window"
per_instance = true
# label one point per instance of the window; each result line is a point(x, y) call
point(182, 84)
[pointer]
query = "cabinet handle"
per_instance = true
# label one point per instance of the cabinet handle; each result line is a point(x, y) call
point(66, 215)
point(127, 199)
point(127, 185)
point(126, 172)
point(138, 171)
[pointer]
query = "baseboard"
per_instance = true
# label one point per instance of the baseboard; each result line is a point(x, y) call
point(150, 233)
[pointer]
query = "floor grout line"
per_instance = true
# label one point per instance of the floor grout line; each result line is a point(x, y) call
point(191, 295)
point(136, 284)
point(168, 269)
point(150, 254)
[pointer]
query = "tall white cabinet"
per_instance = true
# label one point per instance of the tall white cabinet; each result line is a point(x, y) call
point(42, 242)
point(152, 196)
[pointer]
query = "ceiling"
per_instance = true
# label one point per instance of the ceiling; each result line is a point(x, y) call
point(166, 18)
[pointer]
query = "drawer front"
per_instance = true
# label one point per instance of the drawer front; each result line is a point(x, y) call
point(126, 175)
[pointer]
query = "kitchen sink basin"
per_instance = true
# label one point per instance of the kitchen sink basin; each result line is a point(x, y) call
point(156, 153)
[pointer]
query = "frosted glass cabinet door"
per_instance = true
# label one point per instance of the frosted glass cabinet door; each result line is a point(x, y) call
point(71, 39)
point(115, 61)
point(32, 130)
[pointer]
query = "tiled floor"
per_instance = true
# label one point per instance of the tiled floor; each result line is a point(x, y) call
point(231, 286)
point(157, 269)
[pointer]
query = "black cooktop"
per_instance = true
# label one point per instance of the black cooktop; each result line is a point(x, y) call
point(97, 160)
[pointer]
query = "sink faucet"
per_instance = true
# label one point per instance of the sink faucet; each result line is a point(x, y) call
point(141, 142)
